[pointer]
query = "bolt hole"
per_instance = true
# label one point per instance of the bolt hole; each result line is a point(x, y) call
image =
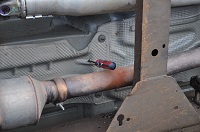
point(154, 52)
point(4, 10)
point(163, 45)
point(176, 107)
point(120, 118)
point(128, 119)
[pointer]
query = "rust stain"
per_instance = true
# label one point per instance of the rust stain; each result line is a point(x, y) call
point(101, 81)
point(62, 89)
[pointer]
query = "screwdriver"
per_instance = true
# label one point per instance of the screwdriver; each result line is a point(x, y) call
point(104, 64)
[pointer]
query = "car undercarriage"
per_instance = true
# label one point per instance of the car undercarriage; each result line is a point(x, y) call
point(56, 74)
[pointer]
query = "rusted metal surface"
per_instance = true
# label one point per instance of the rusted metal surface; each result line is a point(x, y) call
point(100, 81)
point(152, 38)
point(41, 92)
point(52, 91)
point(62, 89)
point(138, 41)
point(156, 102)
point(120, 77)
point(157, 105)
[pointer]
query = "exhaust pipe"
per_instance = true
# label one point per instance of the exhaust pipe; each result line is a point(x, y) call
point(22, 99)
point(24, 8)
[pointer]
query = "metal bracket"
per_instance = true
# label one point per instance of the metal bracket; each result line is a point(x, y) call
point(156, 103)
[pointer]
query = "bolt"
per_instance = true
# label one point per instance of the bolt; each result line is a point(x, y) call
point(60, 105)
point(102, 38)
point(98, 95)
